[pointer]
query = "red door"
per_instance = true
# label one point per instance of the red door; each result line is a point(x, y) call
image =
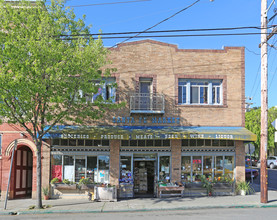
point(23, 173)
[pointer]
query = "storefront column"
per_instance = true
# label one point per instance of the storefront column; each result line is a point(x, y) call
point(114, 161)
point(240, 161)
point(176, 160)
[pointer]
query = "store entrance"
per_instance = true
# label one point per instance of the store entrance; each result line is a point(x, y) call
point(144, 177)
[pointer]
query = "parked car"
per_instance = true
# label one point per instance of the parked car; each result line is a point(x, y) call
point(251, 161)
point(255, 173)
point(271, 162)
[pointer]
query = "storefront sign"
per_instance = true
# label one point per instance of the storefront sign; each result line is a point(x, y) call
point(146, 120)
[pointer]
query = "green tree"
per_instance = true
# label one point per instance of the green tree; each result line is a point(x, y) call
point(42, 71)
point(253, 123)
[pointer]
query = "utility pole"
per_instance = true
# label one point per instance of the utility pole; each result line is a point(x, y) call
point(264, 103)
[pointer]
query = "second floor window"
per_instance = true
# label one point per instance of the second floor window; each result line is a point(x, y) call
point(202, 91)
point(106, 91)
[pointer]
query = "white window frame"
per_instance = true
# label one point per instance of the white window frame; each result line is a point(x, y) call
point(210, 85)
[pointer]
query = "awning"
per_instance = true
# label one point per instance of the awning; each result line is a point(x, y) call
point(150, 132)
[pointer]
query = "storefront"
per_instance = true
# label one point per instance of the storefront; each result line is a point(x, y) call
point(147, 155)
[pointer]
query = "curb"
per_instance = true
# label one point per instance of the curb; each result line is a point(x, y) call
point(28, 212)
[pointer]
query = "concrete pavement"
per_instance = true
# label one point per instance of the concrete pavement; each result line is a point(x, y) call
point(19, 207)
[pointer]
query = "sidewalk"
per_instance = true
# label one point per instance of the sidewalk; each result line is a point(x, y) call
point(139, 204)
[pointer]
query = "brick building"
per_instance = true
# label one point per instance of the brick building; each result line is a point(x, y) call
point(184, 118)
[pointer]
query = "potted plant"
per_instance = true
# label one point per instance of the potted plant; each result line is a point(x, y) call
point(244, 188)
point(45, 191)
point(206, 183)
point(85, 184)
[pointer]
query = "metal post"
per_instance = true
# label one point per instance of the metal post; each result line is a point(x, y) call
point(14, 148)
point(264, 102)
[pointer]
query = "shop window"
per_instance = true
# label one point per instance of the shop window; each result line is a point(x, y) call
point(207, 166)
point(126, 169)
point(192, 142)
point(208, 142)
point(133, 143)
point(80, 142)
point(230, 143)
point(72, 142)
point(223, 143)
point(103, 169)
point(68, 169)
point(56, 142)
point(97, 143)
point(88, 142)
point(164, 168)
point(158, 143)
point(185, 142)
point(149, 143)
point(218, 172)
point(200, 92)
point(56, 166)
point(166, 143)
point(186, 168)
point(229, 166)
point(92, 168)
point(106, 143)
point(124, 143)
point(64, 142)
point(141, 143)
point(196, 168)
point(215, 143)
point(200, 142)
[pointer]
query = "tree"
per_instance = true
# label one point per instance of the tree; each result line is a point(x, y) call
point(42, 71)
point(253, 123)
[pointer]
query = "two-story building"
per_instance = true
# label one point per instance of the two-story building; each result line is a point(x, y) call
point(184, 118)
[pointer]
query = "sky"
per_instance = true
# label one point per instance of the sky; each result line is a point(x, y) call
point(205, 14)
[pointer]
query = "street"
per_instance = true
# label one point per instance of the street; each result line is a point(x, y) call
point(209, 214)
point(272, 178)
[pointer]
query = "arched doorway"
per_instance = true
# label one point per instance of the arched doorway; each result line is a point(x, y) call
point(23, 172)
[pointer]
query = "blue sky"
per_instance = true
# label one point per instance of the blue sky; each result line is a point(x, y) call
point(139, 16)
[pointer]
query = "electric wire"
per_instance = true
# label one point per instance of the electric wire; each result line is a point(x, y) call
point(158, 23)
point(167, 31)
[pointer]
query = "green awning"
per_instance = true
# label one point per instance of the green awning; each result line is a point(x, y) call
point(150, 132)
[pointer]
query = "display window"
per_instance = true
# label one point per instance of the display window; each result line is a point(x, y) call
point(76, 167)
point(164, 168)
point(218, 166)
point(126, 174)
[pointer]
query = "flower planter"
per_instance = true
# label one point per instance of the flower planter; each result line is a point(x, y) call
point(105, 193)
point(87, 187)
point(62, 186)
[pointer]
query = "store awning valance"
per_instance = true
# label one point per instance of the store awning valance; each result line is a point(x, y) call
point(150, 132)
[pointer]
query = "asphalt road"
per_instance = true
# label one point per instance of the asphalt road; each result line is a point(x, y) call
point(272, 178)
point(207, 214)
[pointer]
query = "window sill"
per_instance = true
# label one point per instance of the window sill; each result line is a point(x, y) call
point(201, 106)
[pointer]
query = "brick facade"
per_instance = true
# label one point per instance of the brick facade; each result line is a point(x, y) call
point(164, 64)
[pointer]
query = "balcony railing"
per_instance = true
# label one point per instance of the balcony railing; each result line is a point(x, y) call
point(146, 103)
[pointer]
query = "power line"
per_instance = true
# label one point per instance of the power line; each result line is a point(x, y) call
point(159, 22)
point(167, 31)
point(109, 3)
point(173, 35)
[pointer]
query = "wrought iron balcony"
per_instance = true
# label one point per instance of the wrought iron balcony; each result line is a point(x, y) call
point(146, 103)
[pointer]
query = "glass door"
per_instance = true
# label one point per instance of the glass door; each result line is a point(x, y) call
point(80, 168)
point(145, 92)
